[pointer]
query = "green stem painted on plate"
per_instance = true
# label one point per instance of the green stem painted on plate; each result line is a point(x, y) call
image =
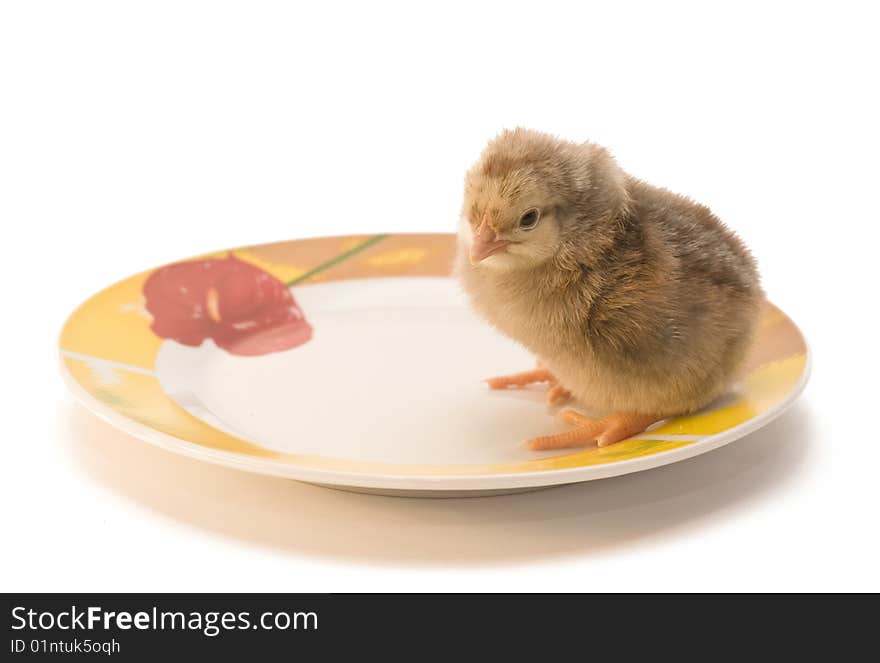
point(337, 259)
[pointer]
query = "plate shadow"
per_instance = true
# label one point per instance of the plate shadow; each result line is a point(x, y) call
point(591, 518)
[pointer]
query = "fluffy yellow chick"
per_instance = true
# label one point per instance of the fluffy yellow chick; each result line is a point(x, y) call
point(636, 301)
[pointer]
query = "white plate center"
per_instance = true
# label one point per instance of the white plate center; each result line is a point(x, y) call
point(392, 374)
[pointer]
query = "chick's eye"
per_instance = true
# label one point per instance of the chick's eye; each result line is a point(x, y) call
point(529, 219)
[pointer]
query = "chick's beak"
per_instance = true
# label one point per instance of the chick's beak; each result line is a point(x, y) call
point(486, 243)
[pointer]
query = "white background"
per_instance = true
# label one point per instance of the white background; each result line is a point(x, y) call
point(134, 134)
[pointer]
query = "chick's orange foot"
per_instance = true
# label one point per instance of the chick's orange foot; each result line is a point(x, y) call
point(555, 394)
point(609, 430)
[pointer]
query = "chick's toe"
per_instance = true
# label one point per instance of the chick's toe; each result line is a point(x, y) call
point(521, 379)
point(557, 394)
point(609, 430)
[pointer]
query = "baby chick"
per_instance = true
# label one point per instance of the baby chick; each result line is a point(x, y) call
point(636, 301)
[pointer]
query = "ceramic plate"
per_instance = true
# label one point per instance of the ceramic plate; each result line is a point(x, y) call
point(355, 362)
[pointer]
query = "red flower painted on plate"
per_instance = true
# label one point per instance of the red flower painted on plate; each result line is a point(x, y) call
point(245, 310)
